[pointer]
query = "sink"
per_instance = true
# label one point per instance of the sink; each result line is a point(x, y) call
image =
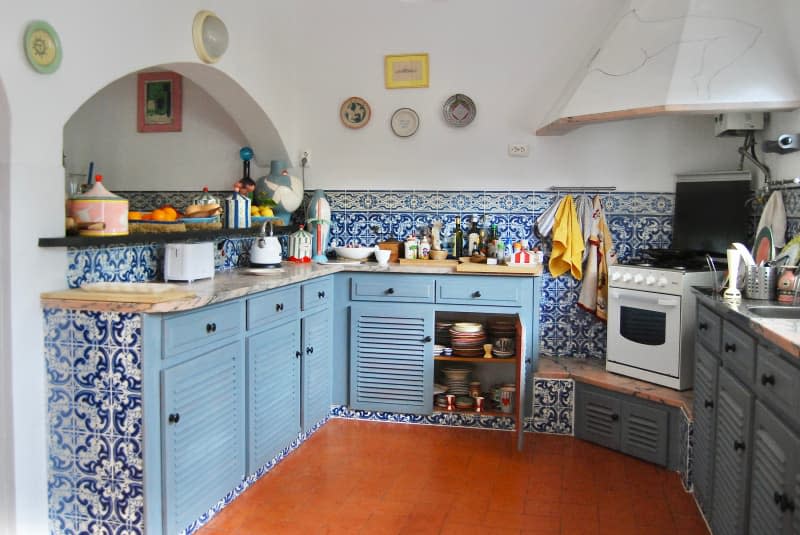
point(775, 311)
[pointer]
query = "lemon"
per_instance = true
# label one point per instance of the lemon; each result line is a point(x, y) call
point(266, 211)
point(254, 210)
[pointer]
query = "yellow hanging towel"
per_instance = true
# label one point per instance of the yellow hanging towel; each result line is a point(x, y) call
point(567, 254)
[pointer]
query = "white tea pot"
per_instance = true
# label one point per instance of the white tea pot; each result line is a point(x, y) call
point(266, 250)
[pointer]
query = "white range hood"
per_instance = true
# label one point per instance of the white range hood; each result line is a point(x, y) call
point(687, 56)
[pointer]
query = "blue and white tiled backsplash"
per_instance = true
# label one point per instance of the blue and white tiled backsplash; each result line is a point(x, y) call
point(637, 221)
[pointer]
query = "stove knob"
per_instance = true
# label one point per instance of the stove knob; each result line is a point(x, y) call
point(615, 276)
point(649, 280)
point(637, 279)
point(627, 277)
point(662, 281)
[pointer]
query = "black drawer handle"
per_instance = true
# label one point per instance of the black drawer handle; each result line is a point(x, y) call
point(309, 350)
point(211, 327)
point(778, 497)
point(730, 348)
point(278, 307)
point(614, 417)
point(390, 291)
point(702, 326)
point(427, 339)
point(321, 295)
point(174, 418)
point(787, 504)
point(709, 404)
point(298, 354)
point(767, 379)
point(738, 445)
point(476, 294)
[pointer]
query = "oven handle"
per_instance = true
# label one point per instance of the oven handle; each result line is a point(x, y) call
point(651, 299)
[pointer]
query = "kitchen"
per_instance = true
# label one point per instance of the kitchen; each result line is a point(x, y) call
point(288, 71)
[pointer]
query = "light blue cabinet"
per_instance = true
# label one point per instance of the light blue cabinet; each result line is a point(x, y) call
point(273, 392)
point(203, 422)
point(391, 362)
point(316, 367)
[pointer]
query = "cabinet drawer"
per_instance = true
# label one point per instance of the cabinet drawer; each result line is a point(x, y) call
point(709, 329)
point(317, 293)
point(738, 352)
point(198, 328)
point(777, 382)
point(271, 306)
point(388, 288)
point(469, 290)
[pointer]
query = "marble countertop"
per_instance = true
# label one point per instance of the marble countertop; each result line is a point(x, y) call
point(782, 332)
point(593, 372)
point(236, 283)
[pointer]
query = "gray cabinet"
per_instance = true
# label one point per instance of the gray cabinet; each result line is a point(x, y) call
point(203, 433)
point(391, 357)
point(705, 395)
point(731, 456)
point(632, 426)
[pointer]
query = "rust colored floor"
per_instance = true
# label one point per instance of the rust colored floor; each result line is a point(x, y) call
point(380, 478)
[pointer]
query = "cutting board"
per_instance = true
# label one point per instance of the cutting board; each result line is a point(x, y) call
point(119, 297)
point(429, 263)
point(472, 267)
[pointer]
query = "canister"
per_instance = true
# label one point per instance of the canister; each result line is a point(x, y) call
point(300, 245)
point(98, 212)
point(393, 246)
point(411, 247)
point(205, 198)
point(237, 211)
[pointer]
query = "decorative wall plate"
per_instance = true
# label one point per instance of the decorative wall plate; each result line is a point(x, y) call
point(405, 122)
point(42, 47)
point(355, 112)
point(459, 110)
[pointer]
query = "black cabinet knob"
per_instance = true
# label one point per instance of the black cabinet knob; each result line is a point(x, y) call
point(213, 327)
point(738, 445)
point(787, 504)
point(174, 418)
point(321, 295)
point(209, 328)
point(298, 354)
point(778, 497)
point(702, 326)
point(730, 348)
point(767, 379)
point(427, 339)
point(476, 294)
point(390, 291)
point(614, 417)
point(309, 350)
point(708, 404)
point(278, 307)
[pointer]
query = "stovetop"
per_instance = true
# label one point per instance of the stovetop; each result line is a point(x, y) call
point(670, 259)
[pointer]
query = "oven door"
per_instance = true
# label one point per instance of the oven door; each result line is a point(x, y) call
point(644, 330)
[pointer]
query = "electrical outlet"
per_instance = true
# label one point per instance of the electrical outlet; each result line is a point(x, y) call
point(305, 154)
point(519, 150)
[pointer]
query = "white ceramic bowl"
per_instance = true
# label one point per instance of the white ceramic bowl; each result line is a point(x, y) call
point(354, 253)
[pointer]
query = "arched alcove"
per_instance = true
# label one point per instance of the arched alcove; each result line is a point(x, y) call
point(6, 423)
point(219, 117)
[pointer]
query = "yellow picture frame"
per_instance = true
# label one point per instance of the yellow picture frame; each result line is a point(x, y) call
point(406, 71)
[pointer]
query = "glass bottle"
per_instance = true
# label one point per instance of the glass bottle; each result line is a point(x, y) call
point(458, 242)
point(473, 238)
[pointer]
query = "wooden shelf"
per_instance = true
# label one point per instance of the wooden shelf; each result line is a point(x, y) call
point(563, 125)
point(475, 359)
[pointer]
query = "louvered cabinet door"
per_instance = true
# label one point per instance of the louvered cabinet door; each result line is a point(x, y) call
point(774, 476)
point(598, 418)
point(705, 393)
point(731, 456)
point(203, 433)
point(644, 432)
point(391, 358)
point(317, 367)
point(273, 392)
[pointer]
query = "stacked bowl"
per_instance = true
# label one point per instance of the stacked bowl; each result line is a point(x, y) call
point(467, 339)
point(456, 380)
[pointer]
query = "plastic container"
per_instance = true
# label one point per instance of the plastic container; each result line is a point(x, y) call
point(98, 212)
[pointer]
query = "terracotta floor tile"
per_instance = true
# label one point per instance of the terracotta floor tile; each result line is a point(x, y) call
point(376, 478)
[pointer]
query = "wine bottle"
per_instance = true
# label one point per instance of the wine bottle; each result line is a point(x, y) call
point(458, 245)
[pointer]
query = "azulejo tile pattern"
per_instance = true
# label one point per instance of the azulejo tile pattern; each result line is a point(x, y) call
point(450, 419)
point(686, 453)
point(94, 409)
point(554, 406)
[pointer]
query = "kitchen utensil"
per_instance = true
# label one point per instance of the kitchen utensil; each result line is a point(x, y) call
point(266, 250)
point(746, 256)
point(188, 261)
point(392, 246)
point(732, 293)
point(300, 245)
point(507, 399)
point(760, 282)
point(789, 255)
point(354, 253)
point(237, 211)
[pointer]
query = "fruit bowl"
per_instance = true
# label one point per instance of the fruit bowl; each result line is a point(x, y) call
point(354, 253)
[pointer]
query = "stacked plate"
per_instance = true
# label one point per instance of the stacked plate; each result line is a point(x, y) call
point(457, 381)
point(501, 329)
point(443, 332)
point(437, 350)
point(467, 339)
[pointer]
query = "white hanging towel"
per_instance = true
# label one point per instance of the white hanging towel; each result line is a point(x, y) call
point(774, 217)
point(544, 223)
point(594, 288)
point(584, 209)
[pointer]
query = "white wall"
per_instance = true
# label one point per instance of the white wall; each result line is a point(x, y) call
point(298, 59)
point(204, 153)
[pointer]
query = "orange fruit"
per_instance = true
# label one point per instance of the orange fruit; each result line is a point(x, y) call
point(172, 214)
point(134, 216)
point(158, 215)
point(147, 216)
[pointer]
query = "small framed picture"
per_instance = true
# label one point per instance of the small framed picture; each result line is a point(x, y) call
point(406, 71)
point(159, 102)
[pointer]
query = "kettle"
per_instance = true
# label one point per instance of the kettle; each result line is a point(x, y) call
point(266, 250)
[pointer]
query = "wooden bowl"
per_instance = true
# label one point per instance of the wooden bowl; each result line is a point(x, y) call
point(438, 255)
